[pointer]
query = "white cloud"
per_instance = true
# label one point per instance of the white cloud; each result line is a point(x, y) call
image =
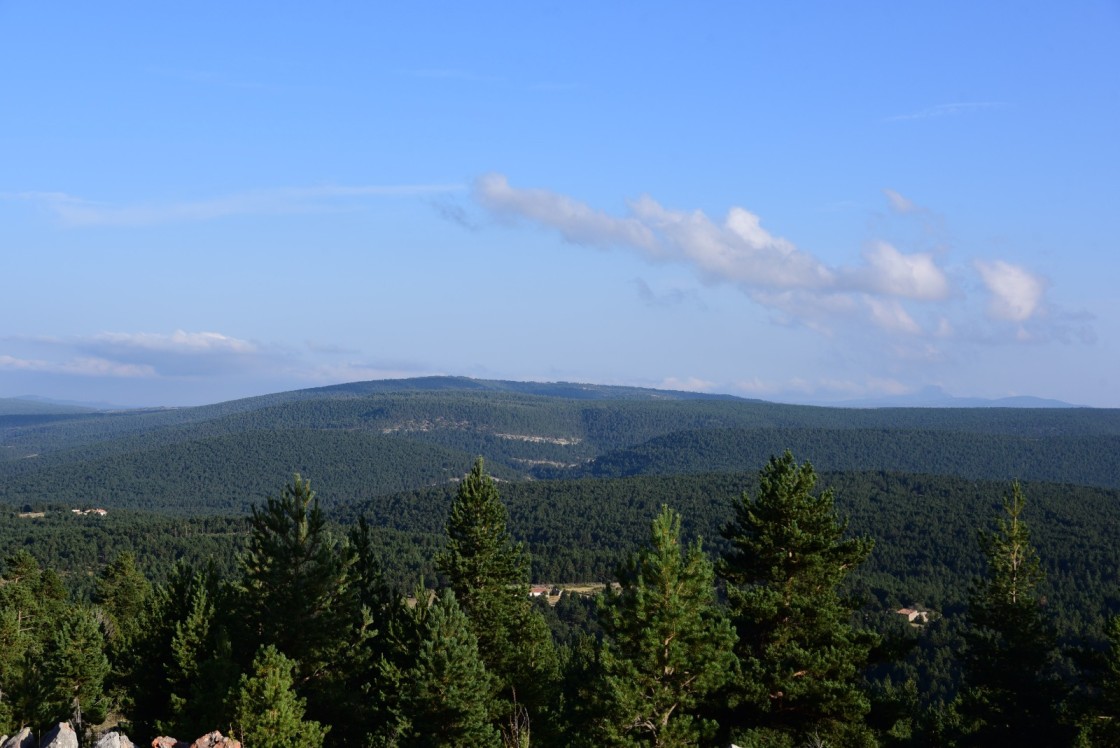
point(1015, 293)
point(76, 211)
point(817, 311)
point(899, 204)
point(892, 291)
point(575, 221)
point(892, 273)
point(740, 250)
point(888, 314)
point(83, 366)
point(178, 341)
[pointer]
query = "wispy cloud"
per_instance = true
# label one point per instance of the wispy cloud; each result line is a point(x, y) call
point(453, 212)
point(179, 341)
point(82, 366)
point(890, 272)
point(901, 294)
point(179, 353)
point(1015, 292)
point(769, 268)
point(667, 297)
point(76, 211)
point(687, 384)
point(898, 203)
point(197, 357)
point(948, 110)
point(139, 354)
point(576, 222)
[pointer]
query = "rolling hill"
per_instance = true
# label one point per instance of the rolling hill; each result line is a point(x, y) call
point(360, 440)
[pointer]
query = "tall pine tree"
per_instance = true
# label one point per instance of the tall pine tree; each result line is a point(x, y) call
point(73, 672)
point(295, 579)
point(445, 692)
point(800, 658)
point(1012, 693)
point(489, 574)
point(668, 645)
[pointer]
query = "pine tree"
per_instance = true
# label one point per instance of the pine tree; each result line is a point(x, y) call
point(1012, 693)
point(74, 667)
point(32, 607)
point(267, 712)
point(446, 691)
point(799, 656)
point(668, 645)
point(295, 580)
point(121, 591)
point(201, 670)
point(489, 575)
point(1100, 725)
point(178, 670)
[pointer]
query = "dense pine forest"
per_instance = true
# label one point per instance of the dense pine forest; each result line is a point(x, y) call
point(339, 567)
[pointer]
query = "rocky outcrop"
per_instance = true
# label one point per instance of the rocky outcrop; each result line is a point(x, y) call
point(22, 739)
point(61, 736)
point(114, 740)
point(215, 740)
point(165, 742)
point(211, 740)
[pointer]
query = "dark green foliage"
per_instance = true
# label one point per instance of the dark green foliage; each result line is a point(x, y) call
point(800, 657)
point(121, 592)
point(1100, 722)
point(74, 667)
point(1012, 691)
point(385, 451)
point(178, 671)
point(266, 711)
point(668, 646)
point(1087, 459)
point(445, 691)
point(32, 608)
point(489, 575)
point(371, 439)
point(295, 579)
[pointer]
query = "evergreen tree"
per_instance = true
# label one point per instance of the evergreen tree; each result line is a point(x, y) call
point(1100, 725)
point(295, 580)
point(489, 575)
point(799, 657)
point(121, 592)
point(1012, 693)
point(668, 645)
point(446, 691)
point(32, 604)
point(267, 712)
point(201, 671)
point(179, 669)
point(74, 667)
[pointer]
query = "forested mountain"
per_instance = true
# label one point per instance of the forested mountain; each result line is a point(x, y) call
point(576, 479)
point(373, 438)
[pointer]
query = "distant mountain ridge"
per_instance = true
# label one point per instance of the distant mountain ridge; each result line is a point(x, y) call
point(935, 397)
point(363, 439)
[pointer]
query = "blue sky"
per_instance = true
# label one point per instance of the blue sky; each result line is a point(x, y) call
point(794, 201)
